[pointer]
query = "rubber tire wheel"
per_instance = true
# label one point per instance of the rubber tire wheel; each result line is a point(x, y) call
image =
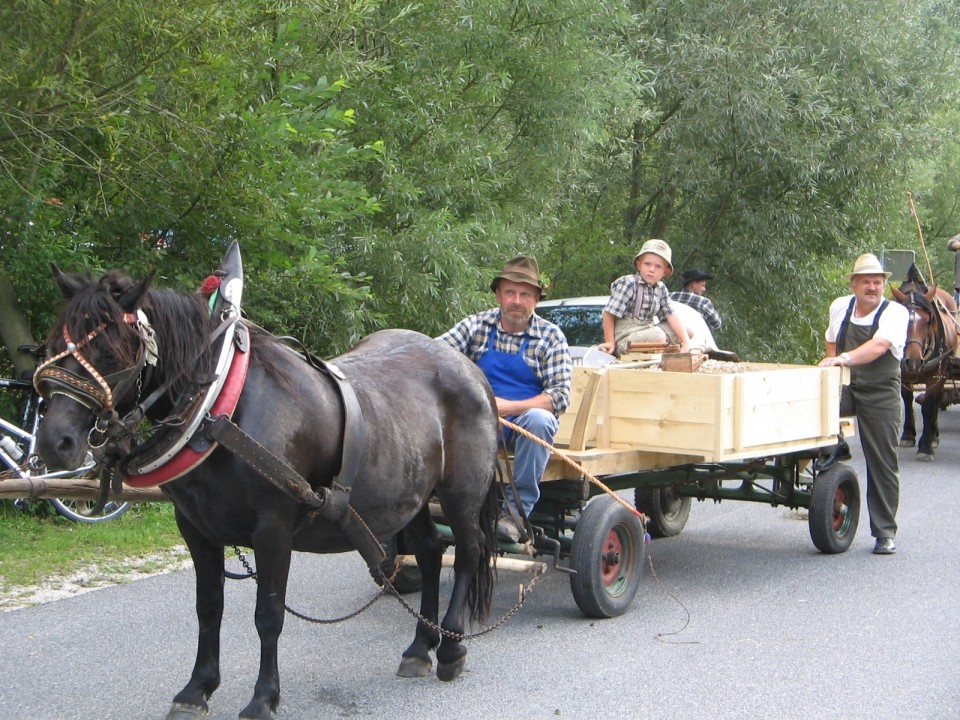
point(79, 510)
point(834, 511)
point(600, 588)
point(666, 512)
point(408, 579)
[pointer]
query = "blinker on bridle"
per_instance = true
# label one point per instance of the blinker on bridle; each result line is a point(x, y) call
point(99, 394)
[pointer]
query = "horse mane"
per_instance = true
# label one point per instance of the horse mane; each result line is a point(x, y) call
point(180, 321)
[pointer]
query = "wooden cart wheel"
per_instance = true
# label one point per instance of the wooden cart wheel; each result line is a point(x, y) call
point(666, 512)
point(607, 555)
point(834, 509)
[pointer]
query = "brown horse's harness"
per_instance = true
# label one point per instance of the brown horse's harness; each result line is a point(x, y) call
point(934, 347)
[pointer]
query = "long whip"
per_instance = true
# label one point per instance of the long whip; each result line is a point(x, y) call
point(923, 244)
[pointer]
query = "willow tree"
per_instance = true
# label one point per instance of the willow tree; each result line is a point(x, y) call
point(143, 135)
point(774, 146)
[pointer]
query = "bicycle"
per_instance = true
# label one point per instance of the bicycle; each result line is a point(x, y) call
point(18, 454)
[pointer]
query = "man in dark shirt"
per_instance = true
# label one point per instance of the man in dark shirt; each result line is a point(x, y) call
point(694, 287)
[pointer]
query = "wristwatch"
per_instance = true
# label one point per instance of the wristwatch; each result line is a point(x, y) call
point(845, 356)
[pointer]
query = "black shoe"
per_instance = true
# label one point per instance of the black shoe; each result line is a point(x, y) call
point(507, 529)
point(839, 453)
point(885, 546)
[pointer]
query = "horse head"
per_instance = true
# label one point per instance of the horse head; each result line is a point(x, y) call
point(103, 355)
point(931, 332)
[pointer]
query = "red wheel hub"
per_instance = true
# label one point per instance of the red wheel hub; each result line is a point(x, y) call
point(610, 559)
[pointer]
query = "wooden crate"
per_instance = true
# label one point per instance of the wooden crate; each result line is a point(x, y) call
point(697, 417)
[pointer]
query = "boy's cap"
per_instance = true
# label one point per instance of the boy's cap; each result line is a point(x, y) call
point(657, 247)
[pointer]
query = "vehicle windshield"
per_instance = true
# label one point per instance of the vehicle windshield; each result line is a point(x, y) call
point(581, 324)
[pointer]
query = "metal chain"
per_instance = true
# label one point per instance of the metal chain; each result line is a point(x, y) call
point(389, 588)
point(465, 636)
point(319, 621)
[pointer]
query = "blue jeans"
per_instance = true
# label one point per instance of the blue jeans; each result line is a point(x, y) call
point(530, 458)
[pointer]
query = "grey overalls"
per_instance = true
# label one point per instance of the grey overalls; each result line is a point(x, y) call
point(874, 397)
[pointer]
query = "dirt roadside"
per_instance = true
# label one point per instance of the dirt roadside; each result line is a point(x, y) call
point(93, 577)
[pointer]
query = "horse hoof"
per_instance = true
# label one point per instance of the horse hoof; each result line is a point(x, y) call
point(907, 443)
point(924, 457)
point(451, 671)
point(258, 710)
point(179, 711)
point(414, 667)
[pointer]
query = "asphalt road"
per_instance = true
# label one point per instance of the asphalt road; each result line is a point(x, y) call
point(743, 619)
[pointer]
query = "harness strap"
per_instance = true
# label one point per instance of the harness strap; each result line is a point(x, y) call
point(328, 503)
point(354, 441)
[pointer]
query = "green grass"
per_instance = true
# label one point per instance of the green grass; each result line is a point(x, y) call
point(38, 544)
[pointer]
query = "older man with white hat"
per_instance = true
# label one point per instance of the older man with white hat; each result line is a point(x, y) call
point(867, 334)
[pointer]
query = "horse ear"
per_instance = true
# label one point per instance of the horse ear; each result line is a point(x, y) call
point(69, 285)
point(931, 293)
point(897, 295)
point(130, 300)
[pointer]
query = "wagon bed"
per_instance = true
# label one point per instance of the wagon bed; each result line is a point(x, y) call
point(749, 435)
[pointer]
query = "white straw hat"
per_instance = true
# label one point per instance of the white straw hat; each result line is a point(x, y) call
point(868, 264)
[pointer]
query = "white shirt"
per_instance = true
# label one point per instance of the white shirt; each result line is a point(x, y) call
point(893, 323)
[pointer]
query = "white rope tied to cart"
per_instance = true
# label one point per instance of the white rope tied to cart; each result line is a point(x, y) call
point(576, 466)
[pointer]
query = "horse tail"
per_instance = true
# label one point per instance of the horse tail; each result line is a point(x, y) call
point(480, 594)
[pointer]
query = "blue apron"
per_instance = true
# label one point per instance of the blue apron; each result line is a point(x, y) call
point(508, 373)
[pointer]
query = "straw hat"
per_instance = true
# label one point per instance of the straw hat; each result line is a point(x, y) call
point(657, 247)
point(868, 264)
point(522, 269)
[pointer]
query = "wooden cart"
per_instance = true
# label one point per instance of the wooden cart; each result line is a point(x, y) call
point(672, 436)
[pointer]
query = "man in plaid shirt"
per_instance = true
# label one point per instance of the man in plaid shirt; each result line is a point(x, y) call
point(694, 287)
point(527, 362)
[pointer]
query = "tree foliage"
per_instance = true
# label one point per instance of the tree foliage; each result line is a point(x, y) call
point(379, 161)
point(773, 147)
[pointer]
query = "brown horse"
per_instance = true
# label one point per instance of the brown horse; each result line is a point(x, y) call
point(428, 427)
point(931, 344)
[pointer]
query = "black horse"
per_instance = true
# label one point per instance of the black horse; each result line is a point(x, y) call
point(930, 346)
point(428, 428)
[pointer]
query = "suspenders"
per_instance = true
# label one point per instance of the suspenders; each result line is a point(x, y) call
point(842, 333)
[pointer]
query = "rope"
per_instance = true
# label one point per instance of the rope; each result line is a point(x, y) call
point(575, 465)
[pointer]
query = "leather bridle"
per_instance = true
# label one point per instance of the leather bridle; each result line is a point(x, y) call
point(101, 392)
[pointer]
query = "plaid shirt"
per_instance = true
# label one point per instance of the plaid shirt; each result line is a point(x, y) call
point(623, 302)
point(548, 354)
point(701, 304)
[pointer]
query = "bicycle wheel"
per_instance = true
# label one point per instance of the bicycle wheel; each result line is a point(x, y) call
point(80, 510)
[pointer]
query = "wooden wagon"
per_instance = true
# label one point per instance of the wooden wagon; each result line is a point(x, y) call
point(749, 435)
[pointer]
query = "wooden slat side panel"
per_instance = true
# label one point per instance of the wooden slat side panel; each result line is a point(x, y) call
point(781, 406)
point(663, 412)
point(709, 417)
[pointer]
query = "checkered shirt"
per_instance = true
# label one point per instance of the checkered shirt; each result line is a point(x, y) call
point(701, 304)
point(547, 354)
point(654, 300)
